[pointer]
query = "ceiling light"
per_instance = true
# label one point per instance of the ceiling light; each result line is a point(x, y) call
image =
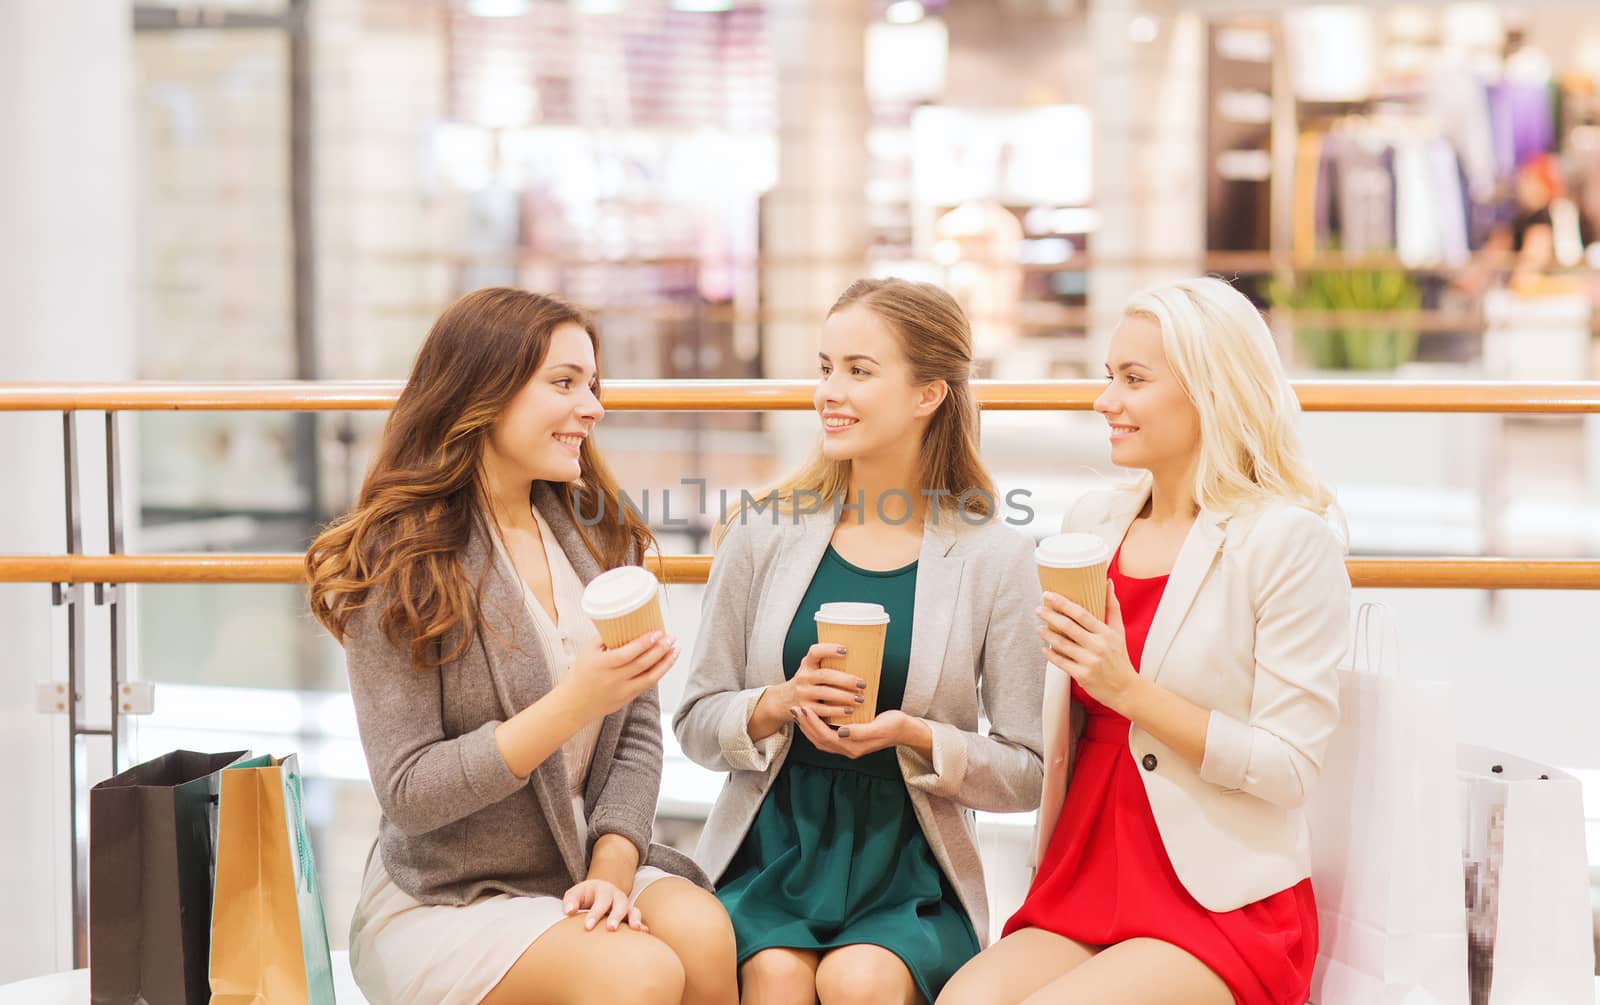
point(497, 8)
point(904, 12)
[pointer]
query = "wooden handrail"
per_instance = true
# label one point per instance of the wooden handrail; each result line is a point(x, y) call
point(1376, 573)
point(773, 395)
point(1211, 262)
point(1577, 397)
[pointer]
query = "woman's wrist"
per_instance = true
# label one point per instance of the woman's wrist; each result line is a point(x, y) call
point(917, 735)
point(614, 860)
point(770, 713)
point(568, 703)
point(1132, 700)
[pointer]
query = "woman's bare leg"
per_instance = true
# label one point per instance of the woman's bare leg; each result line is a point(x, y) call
point(695, 925)
point(1014, 968)
point(570, 966)
point(1136, 972)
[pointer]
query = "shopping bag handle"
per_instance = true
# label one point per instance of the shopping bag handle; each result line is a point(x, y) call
point(302, 840)
point(1376, 646)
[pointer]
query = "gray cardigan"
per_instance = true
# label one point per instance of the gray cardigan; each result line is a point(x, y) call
point(456, 822)
point(972, 637)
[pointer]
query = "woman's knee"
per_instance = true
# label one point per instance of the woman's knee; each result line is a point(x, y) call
point(694, 921)
point(604, 968)
point(862, 978)
point(649, 972)
point(781, 974)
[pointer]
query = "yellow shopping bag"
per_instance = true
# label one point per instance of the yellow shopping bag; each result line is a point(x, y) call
point(269, 940)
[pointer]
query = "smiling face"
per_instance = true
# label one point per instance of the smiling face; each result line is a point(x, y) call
point(1153, 423)
point(865, 394)
point(542, 429)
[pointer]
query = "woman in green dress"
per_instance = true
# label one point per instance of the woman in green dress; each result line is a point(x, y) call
point(846, 855)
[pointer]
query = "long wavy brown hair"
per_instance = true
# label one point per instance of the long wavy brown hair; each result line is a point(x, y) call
point(424, 496)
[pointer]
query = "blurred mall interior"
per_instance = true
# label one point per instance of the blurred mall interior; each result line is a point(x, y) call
point(251, 190)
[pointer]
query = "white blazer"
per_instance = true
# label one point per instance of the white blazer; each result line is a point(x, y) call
point(1252, 625)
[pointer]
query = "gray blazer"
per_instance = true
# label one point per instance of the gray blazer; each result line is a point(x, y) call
point(972, 638)
point(456, 822)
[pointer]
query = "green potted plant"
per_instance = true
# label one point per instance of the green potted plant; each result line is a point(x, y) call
point(1357, 346)
point(1321, 347)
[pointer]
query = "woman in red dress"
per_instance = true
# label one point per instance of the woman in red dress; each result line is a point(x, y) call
point(1192, 721)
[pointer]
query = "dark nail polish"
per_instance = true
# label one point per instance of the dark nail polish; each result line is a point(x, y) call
point(861, 699)
point(844, 732)
point(861, 684)
point(843, 650)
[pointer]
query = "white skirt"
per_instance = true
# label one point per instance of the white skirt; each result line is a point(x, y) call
point(404, 952)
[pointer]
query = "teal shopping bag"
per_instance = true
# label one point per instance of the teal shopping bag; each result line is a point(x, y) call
point(269, 939)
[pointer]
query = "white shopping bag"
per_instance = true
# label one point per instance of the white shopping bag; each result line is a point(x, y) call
point(1528, 909)
point(1385, 836)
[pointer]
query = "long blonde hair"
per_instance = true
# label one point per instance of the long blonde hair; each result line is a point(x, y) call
point(937, 341)
point(1223, 355)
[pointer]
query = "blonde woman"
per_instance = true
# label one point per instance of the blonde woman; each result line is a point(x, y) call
point(516, 759)
point(1192, 721)
point(846, 858)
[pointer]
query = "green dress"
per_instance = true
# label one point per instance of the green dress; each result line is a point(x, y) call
point(836, 856)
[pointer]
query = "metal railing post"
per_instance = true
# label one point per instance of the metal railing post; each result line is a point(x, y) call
point(72, 596)
point(114, 595)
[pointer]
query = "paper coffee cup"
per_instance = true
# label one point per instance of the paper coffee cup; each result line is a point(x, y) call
point(1074, 565)
point(624, 604)
point(860, 628)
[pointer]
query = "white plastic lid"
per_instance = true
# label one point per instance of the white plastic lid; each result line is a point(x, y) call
point(620, 591)
point(1072, 551)
point(853, 614)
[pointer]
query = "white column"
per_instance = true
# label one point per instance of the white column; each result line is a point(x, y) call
point(1149, 154)
point(66, 305)
point(814, 221)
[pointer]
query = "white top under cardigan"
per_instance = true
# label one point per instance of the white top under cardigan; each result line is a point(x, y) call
point(562, 640)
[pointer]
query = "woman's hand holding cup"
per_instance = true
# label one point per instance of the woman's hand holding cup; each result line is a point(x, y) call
point(603, 680)
point(828, 693)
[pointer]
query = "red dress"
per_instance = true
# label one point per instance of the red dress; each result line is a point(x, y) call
point(1106, 876)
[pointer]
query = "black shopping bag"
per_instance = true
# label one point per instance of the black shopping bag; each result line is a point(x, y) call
point(152, 859)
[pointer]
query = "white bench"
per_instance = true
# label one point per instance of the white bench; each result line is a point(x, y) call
point(72, 987)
